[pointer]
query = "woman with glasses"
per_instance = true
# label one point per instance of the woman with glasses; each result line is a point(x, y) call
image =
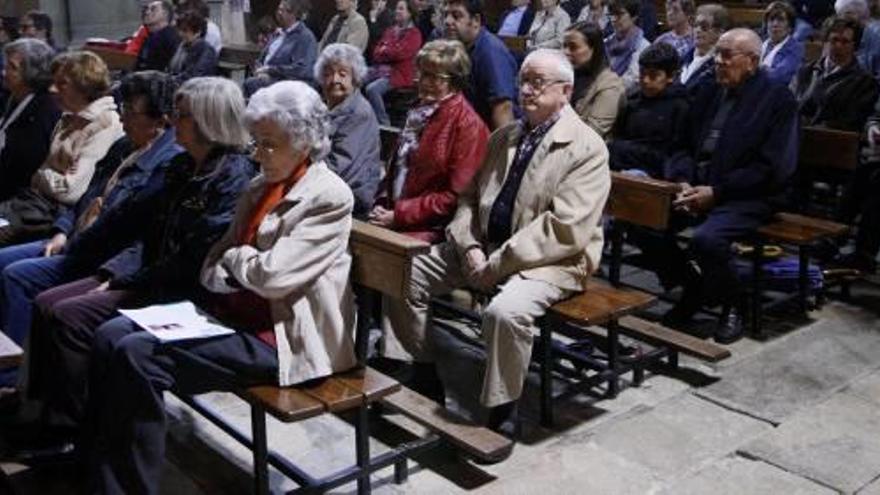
point(698, 66)
point(129, 165)
point(626, 43)
point(394, 58)
point(439, 150)
point(176, 218)
point(598, 95)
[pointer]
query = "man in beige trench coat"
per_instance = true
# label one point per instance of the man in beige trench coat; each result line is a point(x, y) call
point(527, 231)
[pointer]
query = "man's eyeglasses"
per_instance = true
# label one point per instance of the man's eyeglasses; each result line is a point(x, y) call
point(727, 55)
point(255, 145)
point(536, 84)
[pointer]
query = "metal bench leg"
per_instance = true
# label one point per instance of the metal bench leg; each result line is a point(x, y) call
point(804, 278)
point(757, 259)
point(261, 450)
point(672, 360)
point(613, 357)
point(362, 449)
point(546, 375)
point(401, 471)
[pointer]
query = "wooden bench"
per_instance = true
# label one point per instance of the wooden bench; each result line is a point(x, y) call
point(11, 354)
point(116, 60)
point(741, 16)
point(237, 60)
point(821, 150)
point(381, 262)
point(518, 45)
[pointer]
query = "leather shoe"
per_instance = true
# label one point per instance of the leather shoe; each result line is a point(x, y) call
point(730, 326)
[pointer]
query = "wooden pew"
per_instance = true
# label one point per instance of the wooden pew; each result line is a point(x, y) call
point(516, 44)
point(742, 16)
point(382, 261)
point(116, 60)
point(236, 61)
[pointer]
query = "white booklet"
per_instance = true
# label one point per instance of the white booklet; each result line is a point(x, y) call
point(3, 222)
point(176, 321)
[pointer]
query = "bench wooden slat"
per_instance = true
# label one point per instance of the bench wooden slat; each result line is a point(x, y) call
point(239, 54)
point(11, 354)
point(334, 394)
point(641, 201)
point(115, 59)
point(823, 148)
point(516, 44)
point(477, 441)
point(285, 404)
point(827, 226)
point(369, 382)
point(601, 303)
point(654, 333)
point(801, 230)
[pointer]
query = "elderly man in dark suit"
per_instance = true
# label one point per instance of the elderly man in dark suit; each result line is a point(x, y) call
point(291, 54)
point(736, 156)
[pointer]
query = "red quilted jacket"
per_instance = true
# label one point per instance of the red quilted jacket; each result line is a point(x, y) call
point(450, 152)
point(398, 50)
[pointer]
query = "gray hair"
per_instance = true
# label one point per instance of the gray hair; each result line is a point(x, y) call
point(36, 61)
point(217, 106)
point(860, 5)
point(297, 109)
point(564, 70)
point(342, 54)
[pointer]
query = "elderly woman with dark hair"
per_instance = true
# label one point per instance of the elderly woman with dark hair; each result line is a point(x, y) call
point(626, 43)
point(31, 113)
point(354, 153)
point(194, 57)
point(89, 127)
point(281, 279)
point(781, 54)
point(598, 95)
point(28, 269)
point(177, 216)
point(439, 151)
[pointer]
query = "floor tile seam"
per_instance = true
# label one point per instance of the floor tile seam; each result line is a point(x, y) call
point(755, 457)
point(699, 394)
point(866, 485)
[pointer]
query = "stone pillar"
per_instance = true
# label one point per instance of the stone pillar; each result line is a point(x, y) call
point(229, 15)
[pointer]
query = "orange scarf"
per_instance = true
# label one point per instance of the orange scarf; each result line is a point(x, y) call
point(273, 195)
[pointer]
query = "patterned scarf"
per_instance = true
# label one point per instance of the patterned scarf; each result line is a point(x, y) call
point(408, 143)
point(621, 51)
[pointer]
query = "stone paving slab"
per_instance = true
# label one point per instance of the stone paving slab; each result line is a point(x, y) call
point(814, 363)
point(867, 388)
point(737, 475)
point(872, 489)
point(677, 436)
point(836, 443)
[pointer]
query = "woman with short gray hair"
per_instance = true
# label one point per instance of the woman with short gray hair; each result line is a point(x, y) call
point(30, 114)
point(355, 145)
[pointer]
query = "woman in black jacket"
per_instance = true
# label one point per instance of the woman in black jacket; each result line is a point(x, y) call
point(194, 56)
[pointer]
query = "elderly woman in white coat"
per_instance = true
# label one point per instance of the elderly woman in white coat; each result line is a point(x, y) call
point(280, 277)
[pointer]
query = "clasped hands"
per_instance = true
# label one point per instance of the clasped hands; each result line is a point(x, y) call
point(694, 199)
point(476, 269)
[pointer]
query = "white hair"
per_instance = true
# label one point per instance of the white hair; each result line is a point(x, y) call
point(343, 54)
point(217, 106)
point(747, 40)
point(297, 109)
point(860, 5)
point(564, 70)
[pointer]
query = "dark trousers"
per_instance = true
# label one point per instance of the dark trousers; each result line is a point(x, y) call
point(861, 198)
point(130, 370)
point(26, 273)
point(61, 342)
point(710, 247)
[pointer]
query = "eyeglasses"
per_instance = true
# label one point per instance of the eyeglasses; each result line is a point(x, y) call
point(839, 40)
point(726, 55)
point(424, 75)
point(537, 85)
point(255, 145)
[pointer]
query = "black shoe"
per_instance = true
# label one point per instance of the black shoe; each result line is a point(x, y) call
point(426, 381)
point(730, 326)
point(503, 420)
point(40, 443)
point(856, 261)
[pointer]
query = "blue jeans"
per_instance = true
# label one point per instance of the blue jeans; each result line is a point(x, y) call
point(22, 281)
point(375, 92)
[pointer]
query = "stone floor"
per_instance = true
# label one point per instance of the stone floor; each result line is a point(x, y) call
point(798, 413)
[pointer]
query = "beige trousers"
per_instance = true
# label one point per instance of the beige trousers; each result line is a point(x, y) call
point(508, 321)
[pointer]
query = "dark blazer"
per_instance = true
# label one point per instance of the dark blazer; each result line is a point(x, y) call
point(525, 24)
point(354, 153)
point(178, 218)
point(786, 62)
point(158, 49)
point(843, 100)
point(704, 75)
point(27, 143)
point(756, 154)
point(195, 60)
point(295, 58)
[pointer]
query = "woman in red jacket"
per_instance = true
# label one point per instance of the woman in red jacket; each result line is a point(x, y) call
point(439, 150)
point(394, 55)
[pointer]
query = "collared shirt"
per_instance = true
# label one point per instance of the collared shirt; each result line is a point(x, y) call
point(510, 26)
point(768, 52)
point(693, 67)
point(277, 41)
point(501, 217)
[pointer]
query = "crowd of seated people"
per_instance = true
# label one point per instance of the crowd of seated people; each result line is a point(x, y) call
point(240, 197)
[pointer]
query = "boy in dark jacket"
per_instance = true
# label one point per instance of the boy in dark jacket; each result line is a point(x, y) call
point(654, 117)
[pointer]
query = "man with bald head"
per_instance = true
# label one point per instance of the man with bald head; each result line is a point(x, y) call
point(734, 162)
point(526, 233)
